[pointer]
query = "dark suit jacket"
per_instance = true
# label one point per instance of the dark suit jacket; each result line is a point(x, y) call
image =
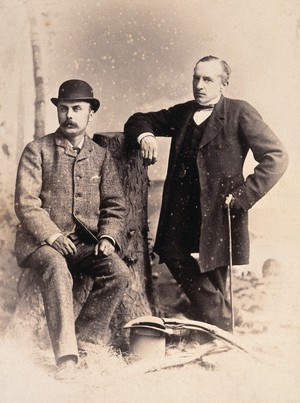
point(233, 128)
point(54, 186)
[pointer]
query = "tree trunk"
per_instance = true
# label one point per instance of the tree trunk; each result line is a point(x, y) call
point(39, 122)
point(140, 298)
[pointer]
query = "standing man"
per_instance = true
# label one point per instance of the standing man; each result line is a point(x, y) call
point(70, 204)
point(211, 137)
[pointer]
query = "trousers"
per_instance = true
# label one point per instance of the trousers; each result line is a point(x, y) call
point(110, 278)
point(206, 291)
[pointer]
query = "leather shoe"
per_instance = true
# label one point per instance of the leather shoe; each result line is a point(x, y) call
point(239, 320)
point(66, 369)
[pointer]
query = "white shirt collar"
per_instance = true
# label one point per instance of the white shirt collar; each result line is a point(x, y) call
point(202, 115)
point(213, 101)
point(79, 145)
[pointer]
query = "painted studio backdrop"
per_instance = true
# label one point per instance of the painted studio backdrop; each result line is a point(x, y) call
point(139, 56)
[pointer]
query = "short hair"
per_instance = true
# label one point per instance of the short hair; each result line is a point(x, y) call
point(225, 66)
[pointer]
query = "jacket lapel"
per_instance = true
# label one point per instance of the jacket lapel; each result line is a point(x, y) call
point(61, 141)
point(88, 146)
point(215, 123)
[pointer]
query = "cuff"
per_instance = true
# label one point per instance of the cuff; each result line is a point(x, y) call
point(141, 136)
point(52, 238)
point(109, 238)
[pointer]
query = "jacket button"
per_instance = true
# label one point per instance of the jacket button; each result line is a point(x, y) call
point(78, 194)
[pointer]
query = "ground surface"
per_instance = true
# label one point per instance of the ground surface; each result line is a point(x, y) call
point(270, 373)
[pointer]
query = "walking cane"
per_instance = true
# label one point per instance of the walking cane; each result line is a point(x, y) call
point(228, 200)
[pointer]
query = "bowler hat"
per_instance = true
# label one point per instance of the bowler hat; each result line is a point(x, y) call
point(76, 90)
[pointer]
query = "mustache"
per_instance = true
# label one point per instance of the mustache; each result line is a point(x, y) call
point(69, 122)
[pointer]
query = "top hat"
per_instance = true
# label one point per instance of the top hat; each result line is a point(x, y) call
point(76, 90)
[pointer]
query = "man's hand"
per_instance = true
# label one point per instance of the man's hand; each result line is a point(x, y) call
point(64, 245)
point(229, 201)
point(104, 248)
point(232, 203)
point(149, 149)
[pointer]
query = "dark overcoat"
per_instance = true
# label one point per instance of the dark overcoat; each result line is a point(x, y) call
point(55, 185)
point(233, 129)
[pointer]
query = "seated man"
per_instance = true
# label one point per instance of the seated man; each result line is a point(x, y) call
point(71, 209)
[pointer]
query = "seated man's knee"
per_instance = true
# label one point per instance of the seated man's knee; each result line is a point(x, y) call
point(58, 273)
point(122, 271)
point(48, 263)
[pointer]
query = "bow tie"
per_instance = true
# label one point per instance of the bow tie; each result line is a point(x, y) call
point(199, 107)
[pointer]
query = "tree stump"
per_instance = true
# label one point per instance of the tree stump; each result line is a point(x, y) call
point(140, 298)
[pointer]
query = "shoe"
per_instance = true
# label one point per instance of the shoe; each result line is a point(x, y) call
point(239, 320)
point(66, 370)
point(248, 326)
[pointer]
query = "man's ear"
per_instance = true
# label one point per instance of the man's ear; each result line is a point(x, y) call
point(91, 114)
point(223, 86)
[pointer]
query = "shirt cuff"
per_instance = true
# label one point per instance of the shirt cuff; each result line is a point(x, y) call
point(141, 136)
point(52, 238)
point(109, 238)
